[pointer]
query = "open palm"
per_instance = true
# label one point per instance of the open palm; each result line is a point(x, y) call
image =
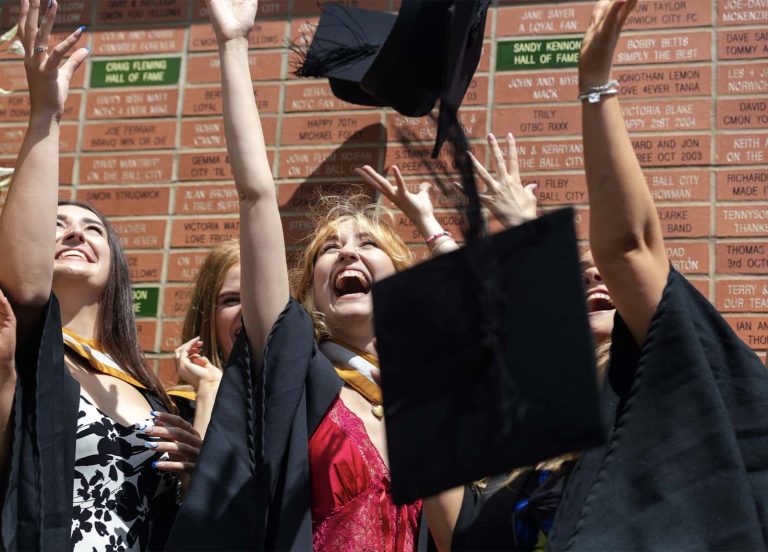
point(232, 19)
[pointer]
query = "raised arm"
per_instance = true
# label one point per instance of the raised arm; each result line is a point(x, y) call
point(625, 233)
point(416, 206)
point(264, 272)
point(28, 220)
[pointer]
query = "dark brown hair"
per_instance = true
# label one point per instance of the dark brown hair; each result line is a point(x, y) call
point(115, 323)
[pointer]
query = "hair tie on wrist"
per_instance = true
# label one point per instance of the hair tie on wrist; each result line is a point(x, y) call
point(432, 238)
point(596, 93)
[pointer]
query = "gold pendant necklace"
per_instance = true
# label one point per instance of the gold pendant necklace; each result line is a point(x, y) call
point(378, 411)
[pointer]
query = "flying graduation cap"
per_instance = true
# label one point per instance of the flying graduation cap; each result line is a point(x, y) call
point(429, 51)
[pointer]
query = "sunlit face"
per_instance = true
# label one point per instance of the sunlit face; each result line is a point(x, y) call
point(347, 264)
point(82, 247)
point(599, 304)
point(228, 312)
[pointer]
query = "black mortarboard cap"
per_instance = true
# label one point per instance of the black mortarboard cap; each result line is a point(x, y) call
point(343, 48)
point(487, 359)
point(429, 52)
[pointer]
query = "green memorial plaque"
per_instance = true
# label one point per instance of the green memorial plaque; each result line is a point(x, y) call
point(522, 55)
point(145, 301)
point(135, 72)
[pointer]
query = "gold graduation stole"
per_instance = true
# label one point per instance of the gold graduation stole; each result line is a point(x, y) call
point(353, 366)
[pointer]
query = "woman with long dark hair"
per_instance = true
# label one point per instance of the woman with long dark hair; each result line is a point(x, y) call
point(97, 443)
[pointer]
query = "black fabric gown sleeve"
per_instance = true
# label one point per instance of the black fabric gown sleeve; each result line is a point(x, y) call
point(37, 496)
point(686, 463)
point(250, 490)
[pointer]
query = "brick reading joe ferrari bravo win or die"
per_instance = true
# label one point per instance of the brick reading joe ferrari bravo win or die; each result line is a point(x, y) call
point(150, 135)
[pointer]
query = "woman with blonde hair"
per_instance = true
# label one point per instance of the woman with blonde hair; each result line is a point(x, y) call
point(298, 423)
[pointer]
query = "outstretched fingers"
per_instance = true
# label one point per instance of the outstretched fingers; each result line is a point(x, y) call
point(58, 52)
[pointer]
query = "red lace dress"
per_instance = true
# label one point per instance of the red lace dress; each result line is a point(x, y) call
point(352, 509)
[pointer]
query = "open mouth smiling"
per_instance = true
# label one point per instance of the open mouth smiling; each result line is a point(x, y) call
point(599, 300)
point(74, 254)
point(350, 281)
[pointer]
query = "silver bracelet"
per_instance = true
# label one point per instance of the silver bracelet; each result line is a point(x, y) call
point(596, 93)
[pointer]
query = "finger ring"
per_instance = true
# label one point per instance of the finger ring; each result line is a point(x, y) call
point(40, 49)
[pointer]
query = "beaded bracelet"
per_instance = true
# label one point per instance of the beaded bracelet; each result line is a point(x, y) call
point(434, 237)
point(596, 93)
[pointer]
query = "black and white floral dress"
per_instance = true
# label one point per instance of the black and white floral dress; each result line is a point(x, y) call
point(116, 489)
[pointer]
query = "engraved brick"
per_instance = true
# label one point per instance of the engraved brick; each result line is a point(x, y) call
point(325, 162)
point(265, 34)
point(183, 266)
point(147, 330)
point(673, 47)
point(477, 92)
point(204, 68)
point(315, 95)
point(317, 129)
point(70, 14)
point(678, 184)
point(301, 196)
point(115, 104)
point(418, 129)
point(209, 133)
point(126, 11)
point(145, 267)
point(564, 18)
point(741, 149)
point(669, 115)
point(171, 335)
point(558, 189)
point(742, 184)
point(742, 113)
point(750, 220)
point(212, 165)
point(176, 300)
point(133, 200)
point(688, 257)
point(742, 295)
point(450, 221)
point(120, 42)
point(207, 101)
point(126, 169)
point(662, 151)
point(417, 159)
point(537, 121)
point(12, 136)
point(549, 155)
point(217, 199)
point(741, 12)
point(203, 232)
point(684, 222)
point(129, 136)
point(741, 257)
point(742, 78)
point(753, 330)
point(446, 197)
point(140, 233)
point(266, 7)
point(742, 44)
point(16, 107)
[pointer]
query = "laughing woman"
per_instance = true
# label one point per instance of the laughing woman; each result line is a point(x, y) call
point(88, 465)
point(306, 456)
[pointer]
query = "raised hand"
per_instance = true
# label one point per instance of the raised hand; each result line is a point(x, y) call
point(47, 76)
point(505, 196)
point(232, 19)
point(193, 367)
point(599, 43)
point(416, 206)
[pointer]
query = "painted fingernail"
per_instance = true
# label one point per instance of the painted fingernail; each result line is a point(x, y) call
point(534, 186)
point(491, 136)
point(81, 29)
point(88, 48)
point(153, 413)
point(149, 444)
point(154, 464)
point(50, 3)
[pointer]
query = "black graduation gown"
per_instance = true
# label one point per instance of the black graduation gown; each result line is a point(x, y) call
point(251, 490)
point(37, 487)
point(686, 463)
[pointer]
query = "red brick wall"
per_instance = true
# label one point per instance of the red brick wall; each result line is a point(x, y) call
point(694, 84)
